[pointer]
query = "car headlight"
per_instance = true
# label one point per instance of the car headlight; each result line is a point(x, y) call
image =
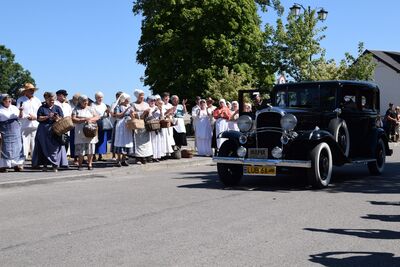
point(288, 122)
point(244, 123)
point(276, 152)
point(241, 152)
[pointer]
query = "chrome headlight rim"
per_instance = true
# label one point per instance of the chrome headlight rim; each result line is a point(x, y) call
point(242, 139)
point(277, 152)
point(288, 122)
point(245, 123)
point(241, 152)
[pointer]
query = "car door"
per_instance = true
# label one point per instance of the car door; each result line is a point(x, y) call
point(350, 103)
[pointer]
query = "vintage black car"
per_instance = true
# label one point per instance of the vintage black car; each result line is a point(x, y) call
point(307, 126)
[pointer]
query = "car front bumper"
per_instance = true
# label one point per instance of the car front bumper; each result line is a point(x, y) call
point(264, 162)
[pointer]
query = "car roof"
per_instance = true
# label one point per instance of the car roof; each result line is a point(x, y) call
point(365, 84)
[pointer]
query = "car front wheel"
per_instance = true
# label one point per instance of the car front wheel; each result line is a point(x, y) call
point(376, 167)
point(320, 173)
point(229, 174)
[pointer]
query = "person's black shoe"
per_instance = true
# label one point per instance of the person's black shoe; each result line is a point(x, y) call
point(125, 163)
point(118, 164)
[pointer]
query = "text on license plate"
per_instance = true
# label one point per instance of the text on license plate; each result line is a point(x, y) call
point(258, 153)
point(260, 170)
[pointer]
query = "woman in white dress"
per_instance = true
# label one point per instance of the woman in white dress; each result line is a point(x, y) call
point(232, 124)
point(103, 135)
point(82, 114)
point(203, 133)
point(156, 138)
point(143, 147)
point(123, 142)
point(222, 114)
point(167, 133)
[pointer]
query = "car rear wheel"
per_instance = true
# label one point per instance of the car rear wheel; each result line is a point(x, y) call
point(377, 167)
point(229, 174)
point(319, 176)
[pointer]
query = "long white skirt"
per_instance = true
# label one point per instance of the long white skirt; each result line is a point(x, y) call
point(157, 142)
point(143, 147)
point(168, 137)
point(204, 146)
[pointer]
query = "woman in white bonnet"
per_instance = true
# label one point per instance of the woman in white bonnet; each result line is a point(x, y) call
point(123, 143)
point(156, 138)
point(143, 147)
point(203, 133)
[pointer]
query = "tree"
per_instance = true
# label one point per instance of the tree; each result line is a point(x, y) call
point(186, 43)
point(228, 86)
point(295, 49)
point(12, 74)
point(360, 68)
point(296, 45)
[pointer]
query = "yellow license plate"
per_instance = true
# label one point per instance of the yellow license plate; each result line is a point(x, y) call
point(260, 170)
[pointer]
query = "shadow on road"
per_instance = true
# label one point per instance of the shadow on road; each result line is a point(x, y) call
point(383, 218)
point(385, 203)
point(209, 180)
point(356, 259)
point(354, 179)
point(362, 233)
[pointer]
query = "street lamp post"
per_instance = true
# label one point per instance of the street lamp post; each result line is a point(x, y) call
point(322, 14)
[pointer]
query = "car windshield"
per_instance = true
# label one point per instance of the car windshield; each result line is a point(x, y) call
point(305, 97)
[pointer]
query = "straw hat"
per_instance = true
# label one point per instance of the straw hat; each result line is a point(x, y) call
point(28, 86)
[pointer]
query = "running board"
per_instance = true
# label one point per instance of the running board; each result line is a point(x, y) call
point(360, 161)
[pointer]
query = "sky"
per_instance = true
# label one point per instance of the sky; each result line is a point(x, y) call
point(87, 46)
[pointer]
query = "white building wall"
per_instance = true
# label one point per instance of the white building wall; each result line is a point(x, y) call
point(388, 81)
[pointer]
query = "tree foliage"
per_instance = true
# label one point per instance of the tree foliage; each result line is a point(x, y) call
point(228, 85)
point(296, 45)
point(361, 67)
point(186, 43)
point(12, 74)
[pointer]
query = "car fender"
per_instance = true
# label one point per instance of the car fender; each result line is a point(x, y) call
point(379, 133)
point(231, 135)
point(311, 139)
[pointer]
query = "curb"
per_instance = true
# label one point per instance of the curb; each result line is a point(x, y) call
point(108, 171)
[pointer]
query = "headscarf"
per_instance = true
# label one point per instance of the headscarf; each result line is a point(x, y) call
point(122, 98)
point(222, 101)
point(2, 96)
point(138, 92)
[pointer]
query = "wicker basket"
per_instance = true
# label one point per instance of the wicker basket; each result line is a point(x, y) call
point(187, 153)
point(153, 125)
point(90, 130)
point(165, 123)
point(135, 124)
point(63, 126)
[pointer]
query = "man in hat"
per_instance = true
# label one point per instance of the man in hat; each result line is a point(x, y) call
point(63, 102)
point(29, 104)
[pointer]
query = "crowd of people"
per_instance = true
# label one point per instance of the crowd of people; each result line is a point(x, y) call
point(120, 129)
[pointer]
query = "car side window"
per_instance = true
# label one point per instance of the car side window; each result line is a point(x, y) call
point(349, 102)
point(367, 100)
point(328, 99)
point(348, 99)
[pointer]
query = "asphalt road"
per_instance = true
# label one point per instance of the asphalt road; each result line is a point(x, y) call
point(185, 217)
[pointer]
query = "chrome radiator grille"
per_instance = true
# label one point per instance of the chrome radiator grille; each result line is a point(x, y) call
point(266, 136)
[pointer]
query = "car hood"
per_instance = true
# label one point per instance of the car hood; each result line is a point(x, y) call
point(307, 119)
